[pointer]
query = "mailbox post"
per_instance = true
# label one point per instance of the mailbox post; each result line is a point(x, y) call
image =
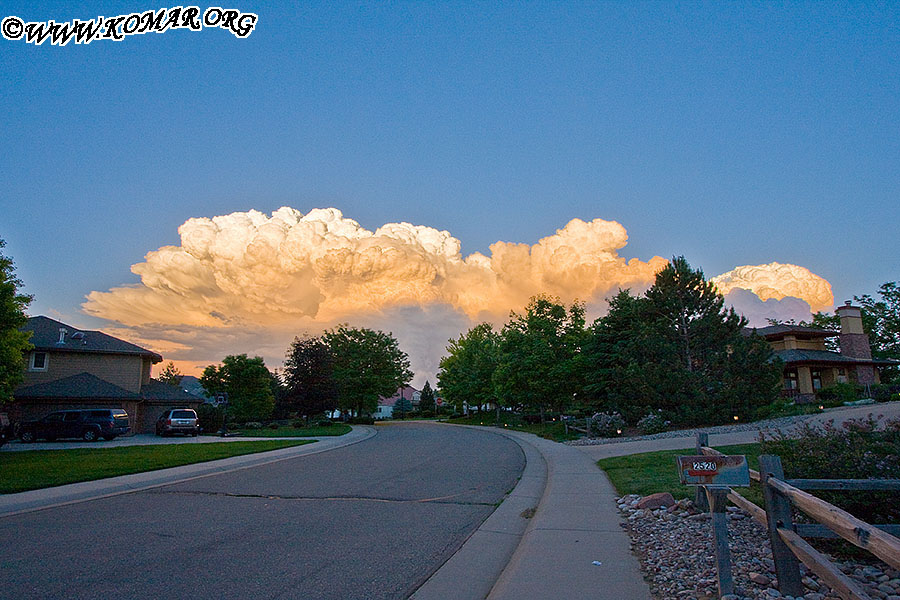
point(716, 475)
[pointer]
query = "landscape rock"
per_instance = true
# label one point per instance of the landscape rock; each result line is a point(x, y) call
point(659, 500)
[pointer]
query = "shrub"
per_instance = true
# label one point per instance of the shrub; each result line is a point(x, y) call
point(362, 421)
point(653, 423)
point(857, 450)
point(298, 423)
point(607, 424)
point(838, 393)
point(210, 417)
point(253, 425)
point(273, 426)
point(325, 423)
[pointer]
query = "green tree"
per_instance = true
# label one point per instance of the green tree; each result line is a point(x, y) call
point(466, 372)
point(677, 348)
point(171, 375)
point(426, 398)
point(248, 384)
point(310, 388)
point(402, 408)
point(881, 321)
point(14, 343)
point(366, 364)
point(538, 366)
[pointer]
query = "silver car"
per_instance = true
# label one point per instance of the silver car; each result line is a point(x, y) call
point(178, 420)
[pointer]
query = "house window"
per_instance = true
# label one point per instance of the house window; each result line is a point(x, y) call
point(816, 379)
point(39, 361)
point(842, 375)
point(790, 380)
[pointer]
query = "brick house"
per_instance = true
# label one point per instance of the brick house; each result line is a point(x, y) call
point(808, 363)
point(71, 368)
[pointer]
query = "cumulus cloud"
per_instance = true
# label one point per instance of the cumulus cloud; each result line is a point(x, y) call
point(776, 280)
point(759, 311)
point(249, 282)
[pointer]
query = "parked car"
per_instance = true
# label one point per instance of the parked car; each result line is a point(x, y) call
point(88, 424)
point(6, 430)
point(178, 420)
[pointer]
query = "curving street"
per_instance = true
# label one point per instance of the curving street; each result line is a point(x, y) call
point(371, 520)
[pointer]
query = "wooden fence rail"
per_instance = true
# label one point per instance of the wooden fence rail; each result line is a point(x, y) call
point(786, 538)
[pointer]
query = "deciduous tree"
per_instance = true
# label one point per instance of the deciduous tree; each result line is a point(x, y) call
point(14, 343)
point(248, 384)
point(538, 365)
point(366, 364)
point(466, 372)
point(309, 382)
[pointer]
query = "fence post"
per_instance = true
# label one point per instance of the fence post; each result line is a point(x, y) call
point(778, 515)
point(718, 498)
point(700, 502)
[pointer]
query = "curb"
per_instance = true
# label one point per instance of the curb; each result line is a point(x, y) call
point(34, 500)
point(474, 569)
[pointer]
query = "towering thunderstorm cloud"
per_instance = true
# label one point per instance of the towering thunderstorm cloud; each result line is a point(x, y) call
point(248, 282)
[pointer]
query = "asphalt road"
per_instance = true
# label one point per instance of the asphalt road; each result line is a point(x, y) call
point(368, 521)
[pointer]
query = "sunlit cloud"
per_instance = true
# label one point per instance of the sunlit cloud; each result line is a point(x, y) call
point(249, 282)
point(776, 280)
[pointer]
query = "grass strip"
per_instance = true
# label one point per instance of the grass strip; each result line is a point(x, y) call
point(551, 430)
point(36, 469)
point(653, 472)
point(314, 431)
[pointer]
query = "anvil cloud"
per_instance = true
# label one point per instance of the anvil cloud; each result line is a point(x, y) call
point(248, 282)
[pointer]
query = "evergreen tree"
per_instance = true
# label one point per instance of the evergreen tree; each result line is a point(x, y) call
point(171, 375)
point(14, 343)
point(402, 408)
point(426, 398)
point(678, 349)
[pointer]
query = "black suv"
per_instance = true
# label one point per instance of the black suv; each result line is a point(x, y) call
point(89, 424)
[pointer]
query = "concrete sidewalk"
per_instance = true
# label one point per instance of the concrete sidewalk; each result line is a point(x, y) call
point(12, 504)
point(551, 554)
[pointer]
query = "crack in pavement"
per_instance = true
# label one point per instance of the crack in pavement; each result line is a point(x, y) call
point(438, 500)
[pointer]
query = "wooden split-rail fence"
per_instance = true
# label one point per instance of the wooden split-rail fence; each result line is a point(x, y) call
point(789, 547)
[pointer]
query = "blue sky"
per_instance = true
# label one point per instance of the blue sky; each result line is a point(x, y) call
point(732, 133)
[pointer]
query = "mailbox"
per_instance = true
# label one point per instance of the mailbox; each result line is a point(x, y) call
point(731, 471)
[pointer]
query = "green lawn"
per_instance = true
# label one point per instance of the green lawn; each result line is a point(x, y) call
point(287, 431)
point(551, 430)
point(35, 469)
point(653, 472)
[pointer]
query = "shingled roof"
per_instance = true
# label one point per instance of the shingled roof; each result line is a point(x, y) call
point(775, 331)
point(45, 336)
point(83, 385)
point(156, 390)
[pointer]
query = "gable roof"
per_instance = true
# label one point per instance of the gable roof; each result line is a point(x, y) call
point(405, 391)
point(83, 385)
point(45, 336)
point(159, 390)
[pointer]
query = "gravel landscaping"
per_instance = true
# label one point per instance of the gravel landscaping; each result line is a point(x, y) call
point(675, 549)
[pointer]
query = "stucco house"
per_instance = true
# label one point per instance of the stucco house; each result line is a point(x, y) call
point(808, 363)
point(72, 368)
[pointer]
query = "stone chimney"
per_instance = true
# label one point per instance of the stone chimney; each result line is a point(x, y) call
point(855, 342)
